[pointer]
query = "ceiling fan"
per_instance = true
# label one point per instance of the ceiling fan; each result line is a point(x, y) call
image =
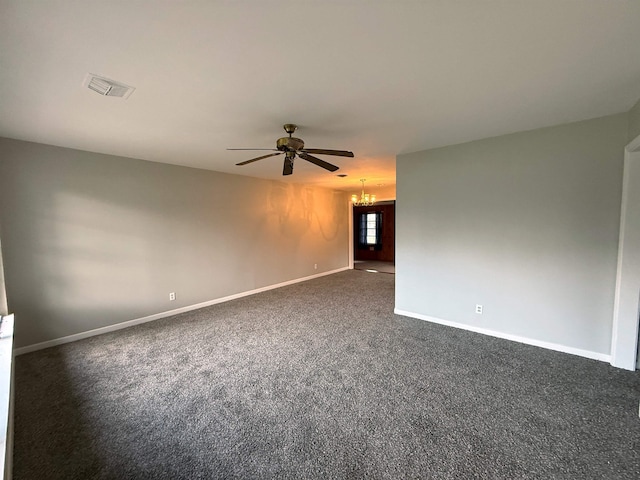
point(291, 147)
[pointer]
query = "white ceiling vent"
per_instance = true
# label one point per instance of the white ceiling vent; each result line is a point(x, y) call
point(107, 87)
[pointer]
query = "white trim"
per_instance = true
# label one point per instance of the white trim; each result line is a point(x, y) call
point(507, 336)
point(624, 329)
point(616, 359)
point(351, 239)
point(157, 316)
point(6, 395)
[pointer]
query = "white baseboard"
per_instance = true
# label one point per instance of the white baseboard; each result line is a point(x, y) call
point(507, 336)
point(157, 316)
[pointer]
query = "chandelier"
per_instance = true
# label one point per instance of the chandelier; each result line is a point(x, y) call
point(365, 199)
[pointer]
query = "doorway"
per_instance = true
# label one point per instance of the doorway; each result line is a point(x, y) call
point(374, 237)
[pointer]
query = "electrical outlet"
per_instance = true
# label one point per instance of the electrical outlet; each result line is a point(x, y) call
point(315, 266)
point(479, 309)
point(172, 296)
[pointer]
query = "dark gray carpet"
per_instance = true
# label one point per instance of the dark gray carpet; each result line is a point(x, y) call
point(319, 380)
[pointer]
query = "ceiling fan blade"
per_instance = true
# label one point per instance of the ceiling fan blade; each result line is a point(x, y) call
point(272, 149)
point(321, 151)
point(259, 158)
point(288, 167)
point(317, 161)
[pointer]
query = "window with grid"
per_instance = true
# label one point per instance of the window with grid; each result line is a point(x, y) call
point(371, 229)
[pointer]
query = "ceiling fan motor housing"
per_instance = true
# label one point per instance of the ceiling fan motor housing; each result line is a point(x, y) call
point(289, 144)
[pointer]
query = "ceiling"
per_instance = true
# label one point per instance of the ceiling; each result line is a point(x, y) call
point(379, 78)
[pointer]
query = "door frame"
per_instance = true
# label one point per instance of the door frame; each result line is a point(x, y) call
point(351, 251)
point(626, 310)
point(352, 238)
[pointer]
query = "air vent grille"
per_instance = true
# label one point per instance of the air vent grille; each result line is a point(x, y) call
point(107, 87)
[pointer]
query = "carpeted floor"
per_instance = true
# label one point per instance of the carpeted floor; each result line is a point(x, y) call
point(319, 380)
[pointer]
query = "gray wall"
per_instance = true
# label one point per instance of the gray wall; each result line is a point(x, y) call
point(524, 224)
point(634, 121)
point(91, 240)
